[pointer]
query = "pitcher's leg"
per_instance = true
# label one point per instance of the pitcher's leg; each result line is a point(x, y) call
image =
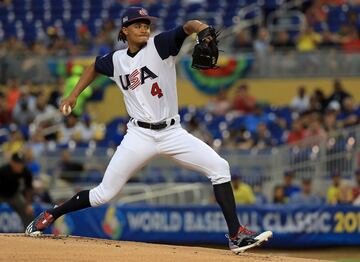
point(125, 162)
point(195, 154)
point(135, 150)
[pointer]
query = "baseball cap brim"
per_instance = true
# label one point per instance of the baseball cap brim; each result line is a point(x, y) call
point(131, 21)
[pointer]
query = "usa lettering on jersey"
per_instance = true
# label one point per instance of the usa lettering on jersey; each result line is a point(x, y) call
point(136, 78)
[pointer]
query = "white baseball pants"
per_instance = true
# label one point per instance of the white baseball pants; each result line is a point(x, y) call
point(140, 145)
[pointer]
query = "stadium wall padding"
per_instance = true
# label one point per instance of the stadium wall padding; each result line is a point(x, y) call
point(293, 226)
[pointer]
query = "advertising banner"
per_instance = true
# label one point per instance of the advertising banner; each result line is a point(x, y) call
point(293, 226)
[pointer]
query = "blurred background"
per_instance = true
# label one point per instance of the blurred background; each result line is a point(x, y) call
point(282, 108)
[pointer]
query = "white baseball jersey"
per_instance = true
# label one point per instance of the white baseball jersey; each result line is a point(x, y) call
point(147, 78)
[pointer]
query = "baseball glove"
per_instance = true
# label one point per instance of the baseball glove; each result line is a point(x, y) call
point(206, 51)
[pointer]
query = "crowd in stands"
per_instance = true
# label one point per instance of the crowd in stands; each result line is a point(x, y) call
point(256, 125)
point(327, 24)
point(308, 115)
point(294, 191)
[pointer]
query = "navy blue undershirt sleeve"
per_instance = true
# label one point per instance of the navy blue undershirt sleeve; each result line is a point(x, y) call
point(169, 43)
point(104, 64)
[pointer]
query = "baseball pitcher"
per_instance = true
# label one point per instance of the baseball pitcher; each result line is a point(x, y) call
point(145, 74)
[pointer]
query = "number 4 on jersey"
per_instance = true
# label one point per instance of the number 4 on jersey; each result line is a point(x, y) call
point(156, 91)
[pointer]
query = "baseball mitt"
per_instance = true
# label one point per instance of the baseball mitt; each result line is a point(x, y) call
point(206, 50)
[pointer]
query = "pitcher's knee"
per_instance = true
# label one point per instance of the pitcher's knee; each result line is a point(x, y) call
point(99, 196)
point(221, 172)
point(221, 166)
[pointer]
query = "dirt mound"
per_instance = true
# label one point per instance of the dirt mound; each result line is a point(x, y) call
point(17, 247)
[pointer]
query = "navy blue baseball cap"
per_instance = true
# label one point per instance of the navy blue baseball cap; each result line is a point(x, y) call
point(135, 13)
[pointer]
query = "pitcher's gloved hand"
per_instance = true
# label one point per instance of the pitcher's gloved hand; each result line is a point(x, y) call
point(206, 50)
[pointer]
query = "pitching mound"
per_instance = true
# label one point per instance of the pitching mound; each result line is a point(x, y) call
point(17, 247)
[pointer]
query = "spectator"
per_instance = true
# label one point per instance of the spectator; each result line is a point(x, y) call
point(69, 130)
point(279, 195)
point(62, 47)
point(40, 194)
point(259, 194)
point(262, 45)
point(14, 143)
point(330, 123)
point(69, 169)
point(242, 41)
point(243, 102)
point(238, 138)
point(31, 162)
point(89, 130)
point(262, 49)
point(199, 131)
point(315, 105)
point(338, 94)
point(296, 133)
point(305, 196)
point(84, 41)
point(320, 99)
point(351, 42)
point(242, 192)
point(329, 40)
point(52, 35)
point(283, 41)
point(57, 93)
point(317, 13)
point(289, 187)
point(315, 130)
point(24, 111)
point(70, 82)
point(348, 116)
point(356, 188)
point(262, 138)
point(251, 121)
point(5, 113)
point(308, 40)
point(339, 192)
point(300, 103)
point(35, 66)
point(220, 105)
point(47, 118)
point(16, 187)
point(37, 144)
point(13, 93)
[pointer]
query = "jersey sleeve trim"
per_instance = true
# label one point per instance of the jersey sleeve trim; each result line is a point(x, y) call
point(169, 43)
point(104, 64)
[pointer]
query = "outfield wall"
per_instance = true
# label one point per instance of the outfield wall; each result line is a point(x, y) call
point(293, 226)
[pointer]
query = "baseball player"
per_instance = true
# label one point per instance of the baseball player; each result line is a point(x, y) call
point(145, 74)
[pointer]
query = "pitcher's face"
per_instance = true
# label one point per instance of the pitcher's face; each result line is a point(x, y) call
point(137, 33)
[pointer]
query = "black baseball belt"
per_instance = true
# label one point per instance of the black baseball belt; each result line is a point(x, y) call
point(153, 126)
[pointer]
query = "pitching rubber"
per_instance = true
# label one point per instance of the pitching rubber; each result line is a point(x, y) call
point(263, 237)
